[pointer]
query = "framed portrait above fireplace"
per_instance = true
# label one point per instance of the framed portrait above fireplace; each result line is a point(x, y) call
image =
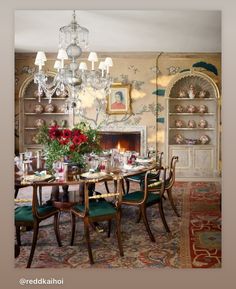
point(119, 100)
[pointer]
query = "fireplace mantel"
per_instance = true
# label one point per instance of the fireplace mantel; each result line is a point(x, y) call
point(141, 129)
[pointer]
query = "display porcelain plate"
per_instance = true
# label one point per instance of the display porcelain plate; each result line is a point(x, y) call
point(96, 175)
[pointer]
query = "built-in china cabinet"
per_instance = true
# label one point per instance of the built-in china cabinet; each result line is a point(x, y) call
point(36, 110)
point(193, 124)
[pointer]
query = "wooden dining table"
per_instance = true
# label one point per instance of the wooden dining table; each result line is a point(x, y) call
point(110, 175)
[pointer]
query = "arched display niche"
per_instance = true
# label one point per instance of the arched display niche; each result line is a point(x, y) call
point(185, 112)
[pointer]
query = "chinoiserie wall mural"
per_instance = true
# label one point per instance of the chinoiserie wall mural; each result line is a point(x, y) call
point(148, 74)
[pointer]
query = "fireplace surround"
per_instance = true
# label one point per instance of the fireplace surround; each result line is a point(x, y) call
point(124, 138)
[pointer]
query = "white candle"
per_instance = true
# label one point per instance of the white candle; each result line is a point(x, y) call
point(38, 160)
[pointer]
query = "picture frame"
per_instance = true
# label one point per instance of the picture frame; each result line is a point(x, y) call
point(119, 100)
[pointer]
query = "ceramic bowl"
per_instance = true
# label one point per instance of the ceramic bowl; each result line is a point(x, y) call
point(179, 108)
point(37, 93)
point(191, 123)
point(202, 123)
point(204, 139)
point(179, 123)
point(182, 93)
point(203, 108)
point(39, 122)
point(179, 139)
point(38, 108)
point(61, 108)
point(202, 94)
point(50, 108)
point(191, 141)
point(52, 122)
point(191, 108)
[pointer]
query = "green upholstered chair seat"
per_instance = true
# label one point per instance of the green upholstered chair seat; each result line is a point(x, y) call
point(140, 177)
point(97, 209)
point(138, 196)
point(137, 178)
point(24, 213)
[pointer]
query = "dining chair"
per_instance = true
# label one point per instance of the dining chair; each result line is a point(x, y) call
point(96, 209)
point(171, 181)
point(149, 196)
point(139, 178)
point(31, 216)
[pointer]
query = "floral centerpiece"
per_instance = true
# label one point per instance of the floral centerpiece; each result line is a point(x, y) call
point(70, 145)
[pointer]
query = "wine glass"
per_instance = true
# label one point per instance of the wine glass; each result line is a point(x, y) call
point(28, 155)
point(58, 168)
point(94, 164)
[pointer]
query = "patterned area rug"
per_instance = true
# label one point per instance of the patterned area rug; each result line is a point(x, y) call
point(194, 241)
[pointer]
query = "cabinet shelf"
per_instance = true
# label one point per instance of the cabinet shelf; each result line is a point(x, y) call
point(45, 98)
point(191, 99)
point(45, 113)
point(188, 128)
point(191, 113)
point(172, 145)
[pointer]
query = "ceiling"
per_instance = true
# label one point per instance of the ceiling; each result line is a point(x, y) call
point(122, 30)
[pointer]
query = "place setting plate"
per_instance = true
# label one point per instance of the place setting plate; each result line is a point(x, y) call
point(93, 175)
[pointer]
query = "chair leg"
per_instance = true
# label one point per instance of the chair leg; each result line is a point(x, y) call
point(56, 229)
point(169, 192)
point(163, 217)
point(34, 242)
point(109, 229)
point(118, 234)
point(144, 216)
point(107, 189)
point(127, 185)
point(139, 216)
point(17, 250)
point(86, 232)
point(16, 192)
point(123, 186)
point(18, 235)
point(72, 229)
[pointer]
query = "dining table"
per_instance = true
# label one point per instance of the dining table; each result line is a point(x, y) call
point(111, 174)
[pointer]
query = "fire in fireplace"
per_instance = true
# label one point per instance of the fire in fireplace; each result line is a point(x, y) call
point(124, 141)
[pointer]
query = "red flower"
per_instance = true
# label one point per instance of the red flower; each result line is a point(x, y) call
point(72, 148)
point(83, 138)
point(77, 140)
point(66, 133)
point(54, 132)
point(76, 132)
point(64, 141)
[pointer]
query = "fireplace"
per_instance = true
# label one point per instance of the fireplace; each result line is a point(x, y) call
point(131, 138)
point(124, 141)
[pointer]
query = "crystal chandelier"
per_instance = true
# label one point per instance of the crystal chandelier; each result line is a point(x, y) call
point(73, 78)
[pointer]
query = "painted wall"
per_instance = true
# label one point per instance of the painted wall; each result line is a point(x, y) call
point(149, 75)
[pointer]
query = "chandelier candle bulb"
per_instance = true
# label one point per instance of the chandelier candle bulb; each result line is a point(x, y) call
point(93, 58)
point(108, 63)
point(57, 65)
point(83, 66)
